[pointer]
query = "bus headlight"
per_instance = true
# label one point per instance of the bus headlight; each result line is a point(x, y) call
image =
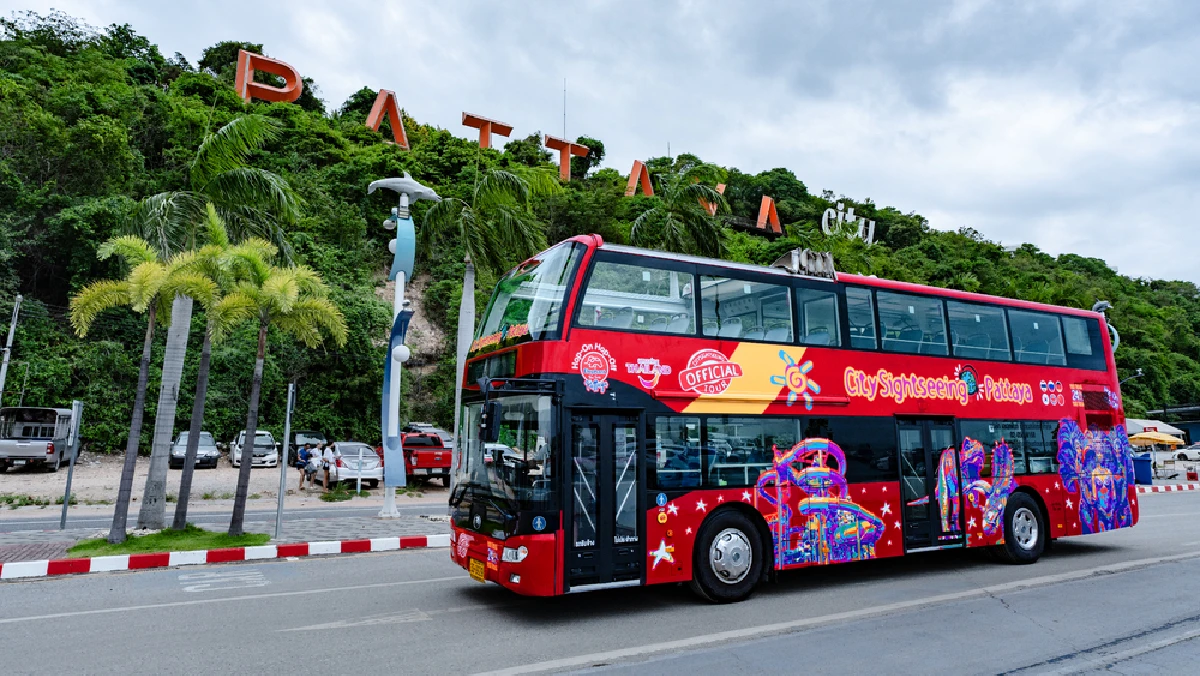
point(514, 555)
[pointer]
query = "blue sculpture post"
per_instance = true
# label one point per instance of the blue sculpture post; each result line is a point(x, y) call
point(404, 250)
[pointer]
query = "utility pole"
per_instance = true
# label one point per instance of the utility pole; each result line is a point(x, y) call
point(283, 459)
point(76, 430)
point(24, 384)
point(12, 329)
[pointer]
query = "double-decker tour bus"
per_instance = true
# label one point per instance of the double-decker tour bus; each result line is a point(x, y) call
point(632, 417)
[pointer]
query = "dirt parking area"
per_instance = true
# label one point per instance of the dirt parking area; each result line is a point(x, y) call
point(97, 478)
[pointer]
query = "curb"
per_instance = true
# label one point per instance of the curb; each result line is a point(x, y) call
point(1169, 488)
point(107, 564)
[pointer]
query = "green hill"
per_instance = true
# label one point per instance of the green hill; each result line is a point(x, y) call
point(92, 121)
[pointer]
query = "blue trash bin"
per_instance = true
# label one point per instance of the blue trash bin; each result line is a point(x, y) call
point(1142, 470)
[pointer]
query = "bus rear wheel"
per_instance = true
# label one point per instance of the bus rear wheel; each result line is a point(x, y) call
point(1024, 530)
point(728, 559)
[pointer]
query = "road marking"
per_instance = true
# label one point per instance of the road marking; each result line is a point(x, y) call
point(222, 580)
point(761, 631)
point(1163, 516)
point(1113, 658)
point(413, 615)
point(248, 597)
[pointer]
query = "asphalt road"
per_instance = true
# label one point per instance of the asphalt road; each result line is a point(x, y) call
point(1124, 602)
point(208, 517)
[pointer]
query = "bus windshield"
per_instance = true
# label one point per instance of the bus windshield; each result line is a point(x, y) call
point(527, 303)
point(519, 467)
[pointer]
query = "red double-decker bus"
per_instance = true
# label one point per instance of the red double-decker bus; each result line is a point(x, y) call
point(633, 417)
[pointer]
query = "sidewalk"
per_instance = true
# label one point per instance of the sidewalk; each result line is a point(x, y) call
point(31, 545)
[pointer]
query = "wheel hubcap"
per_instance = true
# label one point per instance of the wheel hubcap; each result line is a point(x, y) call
point(730, 556)
point(1025, 528)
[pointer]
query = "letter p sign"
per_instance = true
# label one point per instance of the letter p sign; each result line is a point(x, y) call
point(247, 88)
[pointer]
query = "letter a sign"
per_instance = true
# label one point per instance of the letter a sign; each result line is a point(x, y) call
point(386, 103)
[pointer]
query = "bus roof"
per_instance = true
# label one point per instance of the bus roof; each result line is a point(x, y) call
point(60, 411)
point(871, 281)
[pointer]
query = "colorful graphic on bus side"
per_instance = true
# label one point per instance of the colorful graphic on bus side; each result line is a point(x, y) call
point(594, 364)
point(830, 527)
point(899, 388)
point(1098, 466)
point(709, 371)
point(795, 377)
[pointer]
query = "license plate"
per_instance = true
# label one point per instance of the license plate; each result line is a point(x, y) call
point(18, 463)
point(477, 570)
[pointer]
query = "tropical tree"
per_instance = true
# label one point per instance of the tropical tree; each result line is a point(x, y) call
point(252, 201)
point(206, 275)
point(293, 300)
point(142, 291)
point(495, 226)
point(678, 218)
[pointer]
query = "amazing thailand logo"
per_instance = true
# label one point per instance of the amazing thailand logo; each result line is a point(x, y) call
point(648, 371)
point(1098, 466)
point(795, 377)
point(594, 364)
point(827, 526)
point(709, 372)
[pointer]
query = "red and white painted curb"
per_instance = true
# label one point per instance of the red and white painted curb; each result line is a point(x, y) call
point(105, 564)
point(1168, 488)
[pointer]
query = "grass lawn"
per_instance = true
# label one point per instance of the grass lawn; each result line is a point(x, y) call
point(188, 539)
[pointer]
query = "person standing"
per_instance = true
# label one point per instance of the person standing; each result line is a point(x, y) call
point(329, 462)
point(304, 463)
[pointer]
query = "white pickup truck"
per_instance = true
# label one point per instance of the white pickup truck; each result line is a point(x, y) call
point(32, 436)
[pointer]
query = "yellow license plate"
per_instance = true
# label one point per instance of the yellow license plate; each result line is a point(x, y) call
point(477, 570)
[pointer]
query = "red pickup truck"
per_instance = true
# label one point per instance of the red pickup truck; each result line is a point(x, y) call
point(426, 457)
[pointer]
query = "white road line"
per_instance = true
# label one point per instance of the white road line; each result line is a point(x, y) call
point(248, 597)
point(1163, 516)
point(1113, 658)
point(763, 630)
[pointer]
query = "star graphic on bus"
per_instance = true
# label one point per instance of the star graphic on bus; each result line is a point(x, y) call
point(665, 552)
point(795, 378)
point(673, 509)
point(971, 523)
point(1069, 503)
point(700, 506)
point(886, 509)
point(746, 496)
point(720, 498)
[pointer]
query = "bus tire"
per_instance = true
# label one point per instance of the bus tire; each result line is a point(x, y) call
point(720, 570)
point(1024, 530)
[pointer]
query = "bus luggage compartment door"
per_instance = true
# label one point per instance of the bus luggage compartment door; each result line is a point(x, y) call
point(604, 508)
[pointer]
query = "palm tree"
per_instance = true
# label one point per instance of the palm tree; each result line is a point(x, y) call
point(206, 275)
point(252, 201)
point(293, 300)
point(678, 220)
point(494, 227)
point(141, 291)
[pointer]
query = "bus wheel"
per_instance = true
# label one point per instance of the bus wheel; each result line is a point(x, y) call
point(1024, 530)
point(728, 558)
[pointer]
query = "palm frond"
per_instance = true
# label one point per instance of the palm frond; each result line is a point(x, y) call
point(262, 190)
point(200, 287)
point(248, 263)
point(168, 220)
point(441, 219)
point(94, 299)
point(229, 147)
point(308, 281)
point(542, 181)
point(638, 229)
point(215, 232)
point(145, 281)
point(230, 311)
point(130, 248)
point(694, 193)
point(309, 318)
point(499, 187)
point(281, 290)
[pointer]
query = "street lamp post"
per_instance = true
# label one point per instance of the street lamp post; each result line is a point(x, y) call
point(403, 248)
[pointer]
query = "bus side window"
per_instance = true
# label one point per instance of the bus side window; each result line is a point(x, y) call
point(677, 451)
point(738, 309)
point(861, 313)
point(819, 322)
point(630, 297)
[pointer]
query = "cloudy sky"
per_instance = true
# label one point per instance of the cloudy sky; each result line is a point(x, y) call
point(1072, 124)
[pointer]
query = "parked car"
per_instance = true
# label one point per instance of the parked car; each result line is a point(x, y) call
point(300, 438)
point(426, 456)
point(430, 428)
point(206, 451)
point(265, 453)
point(35, 436)
point(349, 468)
point(1188, 452)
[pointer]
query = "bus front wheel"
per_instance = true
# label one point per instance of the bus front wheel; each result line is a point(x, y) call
point(728, 558)
point(1024, 530)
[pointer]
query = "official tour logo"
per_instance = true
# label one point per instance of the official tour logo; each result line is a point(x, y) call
point(595, 364)
point(648, 371)
point(709, 372)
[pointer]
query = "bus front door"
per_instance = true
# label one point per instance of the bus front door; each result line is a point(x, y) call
point(928, 477)
point(605, 543)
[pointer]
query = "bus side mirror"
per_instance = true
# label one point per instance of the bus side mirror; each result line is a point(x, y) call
point(490, 422)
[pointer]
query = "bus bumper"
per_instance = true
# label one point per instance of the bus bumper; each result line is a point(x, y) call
point(536, 573)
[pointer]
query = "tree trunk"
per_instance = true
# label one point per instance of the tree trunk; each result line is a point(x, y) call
point(466, 329)
point(243, 485)
point(154, 495)
point(189, 458)
point(116, 534)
